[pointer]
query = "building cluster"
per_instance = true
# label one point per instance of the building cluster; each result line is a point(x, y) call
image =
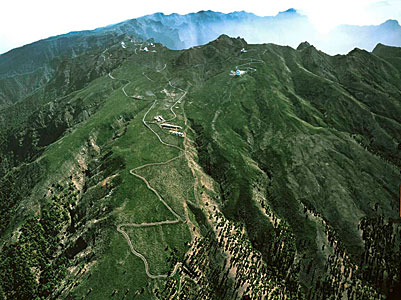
point(146, 49)
point(170, 126)
point(159, 118)
point(177, 133)
point(173, 129)
point(237, 73)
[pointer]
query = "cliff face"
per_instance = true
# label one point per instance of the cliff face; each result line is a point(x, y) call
point(285, 184)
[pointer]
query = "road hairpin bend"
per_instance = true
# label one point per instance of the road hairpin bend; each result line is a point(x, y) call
point(178, 219)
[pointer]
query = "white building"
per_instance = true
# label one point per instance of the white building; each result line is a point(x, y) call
point(159, 118)
point(171, 126)
point(177, 133)
point(237, 73)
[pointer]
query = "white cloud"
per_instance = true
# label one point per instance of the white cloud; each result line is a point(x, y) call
point(25, 21)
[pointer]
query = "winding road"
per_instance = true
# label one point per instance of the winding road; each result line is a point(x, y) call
point(178, 219)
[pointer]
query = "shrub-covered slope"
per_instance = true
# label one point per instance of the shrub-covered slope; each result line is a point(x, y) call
point(285, 183)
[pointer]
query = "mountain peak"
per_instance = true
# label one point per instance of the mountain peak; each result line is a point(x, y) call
point(241, 13)
point(289, 13)
point(386, 51)
point(391, 24)
point(230, 42)
point(205, 11)
point(303, 45)
point(224, 37)
point(291, 10)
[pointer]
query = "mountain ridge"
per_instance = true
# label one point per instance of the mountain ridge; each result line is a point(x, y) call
point(287, 176)
point(25, 69)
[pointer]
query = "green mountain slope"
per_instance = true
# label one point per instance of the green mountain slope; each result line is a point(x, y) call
point(285, 183)
point(26, 69)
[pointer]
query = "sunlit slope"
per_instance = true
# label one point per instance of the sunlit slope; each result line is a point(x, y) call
point(284, 184)
point(78, 175)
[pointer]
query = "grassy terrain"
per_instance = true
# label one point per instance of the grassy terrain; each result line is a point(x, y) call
point(291, 156)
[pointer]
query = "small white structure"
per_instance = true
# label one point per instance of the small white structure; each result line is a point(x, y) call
point(243, 50)
point(237, 73)
point(171, 126)
point(177, 133)
point(146, 49)
point(123, 45)
point(159, 118)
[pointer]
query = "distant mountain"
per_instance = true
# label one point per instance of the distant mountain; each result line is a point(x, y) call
point(346, 37)
point(25, 69)
point(286, 28)
point(200, 28)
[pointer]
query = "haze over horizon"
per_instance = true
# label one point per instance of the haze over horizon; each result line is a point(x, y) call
point(46, 19)
point(243, 151)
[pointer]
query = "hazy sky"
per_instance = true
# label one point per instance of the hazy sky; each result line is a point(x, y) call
point(25, 21)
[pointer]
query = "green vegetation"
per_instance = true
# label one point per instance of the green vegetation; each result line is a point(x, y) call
point(283, 185)
point(34, 254)
point(28, 175)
